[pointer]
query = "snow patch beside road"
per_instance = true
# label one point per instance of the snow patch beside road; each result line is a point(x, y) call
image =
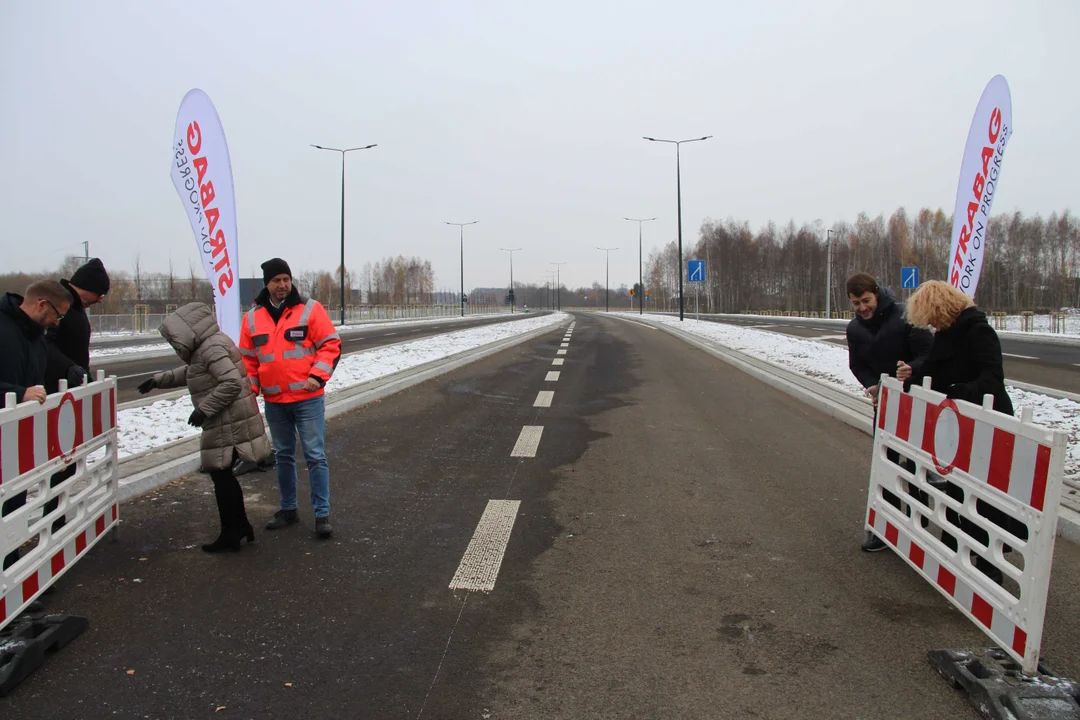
point(144, 428)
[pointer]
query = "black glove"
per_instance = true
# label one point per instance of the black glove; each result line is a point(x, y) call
point(148, 386)
point(75, 376)
point(197, 418)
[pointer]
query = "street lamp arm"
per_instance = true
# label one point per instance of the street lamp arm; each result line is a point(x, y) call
point(320, 147)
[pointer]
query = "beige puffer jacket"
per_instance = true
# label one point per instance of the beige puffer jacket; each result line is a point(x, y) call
point(219, 387)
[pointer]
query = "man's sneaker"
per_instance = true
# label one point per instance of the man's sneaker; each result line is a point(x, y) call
point(873, 543)
point(322, 527)
point(283, 518)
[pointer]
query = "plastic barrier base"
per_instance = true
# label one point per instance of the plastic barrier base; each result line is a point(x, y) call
point(999, 691)
point(29, 639)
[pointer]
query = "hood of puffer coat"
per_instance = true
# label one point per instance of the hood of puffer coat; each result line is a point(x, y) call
point(188, 328)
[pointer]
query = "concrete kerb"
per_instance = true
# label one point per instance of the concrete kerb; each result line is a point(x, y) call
point(146, 472)
point(836, 403)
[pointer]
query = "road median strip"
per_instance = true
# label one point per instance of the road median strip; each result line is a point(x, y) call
point(144, 472)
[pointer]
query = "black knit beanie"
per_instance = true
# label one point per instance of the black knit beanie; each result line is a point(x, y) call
point(274, 267)
point(92, 277)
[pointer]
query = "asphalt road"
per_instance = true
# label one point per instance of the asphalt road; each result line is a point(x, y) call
point(1030, 361)
point(131, 370)
point(686, 546)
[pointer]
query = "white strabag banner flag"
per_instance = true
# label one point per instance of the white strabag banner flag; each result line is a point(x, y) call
point(202, 174)
point(980, 174)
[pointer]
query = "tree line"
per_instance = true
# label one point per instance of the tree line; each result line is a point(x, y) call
point(1030, 263)
point(391, 281)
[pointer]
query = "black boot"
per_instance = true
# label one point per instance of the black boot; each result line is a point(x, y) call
point(231, 532)
point(242, 524)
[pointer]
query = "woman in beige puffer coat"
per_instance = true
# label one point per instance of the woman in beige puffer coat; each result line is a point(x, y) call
point(225, 409)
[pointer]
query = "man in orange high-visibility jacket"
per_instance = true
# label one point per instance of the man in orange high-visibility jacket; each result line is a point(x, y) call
point(291, 348)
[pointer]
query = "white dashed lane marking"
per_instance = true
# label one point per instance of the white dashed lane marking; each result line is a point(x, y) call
point(527, 441)
point(552, 376)
point(557, 361)
point(544, 398)
point(565, 345)
point(480, 565)
point(560, 352)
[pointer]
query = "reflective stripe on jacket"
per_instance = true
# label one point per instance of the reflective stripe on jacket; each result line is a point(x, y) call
point(281, 357)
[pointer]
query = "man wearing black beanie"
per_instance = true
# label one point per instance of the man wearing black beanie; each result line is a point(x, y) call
point(69, 340)
point(290, 349)
point(69, 345)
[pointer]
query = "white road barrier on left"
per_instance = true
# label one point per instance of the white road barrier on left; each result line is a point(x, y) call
point(38, 441)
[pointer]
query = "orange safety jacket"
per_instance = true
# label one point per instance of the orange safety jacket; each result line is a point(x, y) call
point(280, 357)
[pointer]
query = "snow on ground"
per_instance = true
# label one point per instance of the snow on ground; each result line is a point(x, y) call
point(1041, 325)
point(829, 362)
point(126, 349)
point(347, 330)
point(150, 426)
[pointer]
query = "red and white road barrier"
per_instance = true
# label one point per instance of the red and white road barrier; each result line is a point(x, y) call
point(978, 459)
point(36, 442)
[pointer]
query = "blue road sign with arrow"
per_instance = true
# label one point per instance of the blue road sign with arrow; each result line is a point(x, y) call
point(695, 270)
point(909, 278)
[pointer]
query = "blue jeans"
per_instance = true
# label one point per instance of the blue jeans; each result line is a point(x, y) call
point(307, 418)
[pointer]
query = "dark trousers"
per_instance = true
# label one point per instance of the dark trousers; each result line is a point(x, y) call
point(230, 502)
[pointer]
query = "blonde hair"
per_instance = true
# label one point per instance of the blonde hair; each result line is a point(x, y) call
point(936, 304)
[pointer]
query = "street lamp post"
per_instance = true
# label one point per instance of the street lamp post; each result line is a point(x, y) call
point(641, 278)
point(558, 281)
point(511, 251)
point(343, 151)
point(461, 239)
point(828, 273)
point(607, 277)
point(678, 191)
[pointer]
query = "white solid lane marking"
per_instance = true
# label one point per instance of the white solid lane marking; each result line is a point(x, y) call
point(527, 441)
point(565, 344)
point(552, 376)
point(830, 337)
point(544, 398)
point(560, 352)
point(480, 564)
point(557, 361)
point(1022, 357)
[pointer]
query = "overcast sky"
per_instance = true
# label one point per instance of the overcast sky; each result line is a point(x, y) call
point(528, 120)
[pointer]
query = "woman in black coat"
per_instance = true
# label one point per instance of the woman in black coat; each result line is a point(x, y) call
point(964, 363)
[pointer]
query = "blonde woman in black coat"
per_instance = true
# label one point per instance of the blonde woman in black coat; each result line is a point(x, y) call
point(965, 358)
point(964, 363)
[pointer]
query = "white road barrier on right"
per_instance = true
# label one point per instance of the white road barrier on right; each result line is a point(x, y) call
point(982, 500)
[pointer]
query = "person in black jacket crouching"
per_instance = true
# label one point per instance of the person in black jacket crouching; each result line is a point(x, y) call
point(964, 363)
point(879, 336)
point(879, 339)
